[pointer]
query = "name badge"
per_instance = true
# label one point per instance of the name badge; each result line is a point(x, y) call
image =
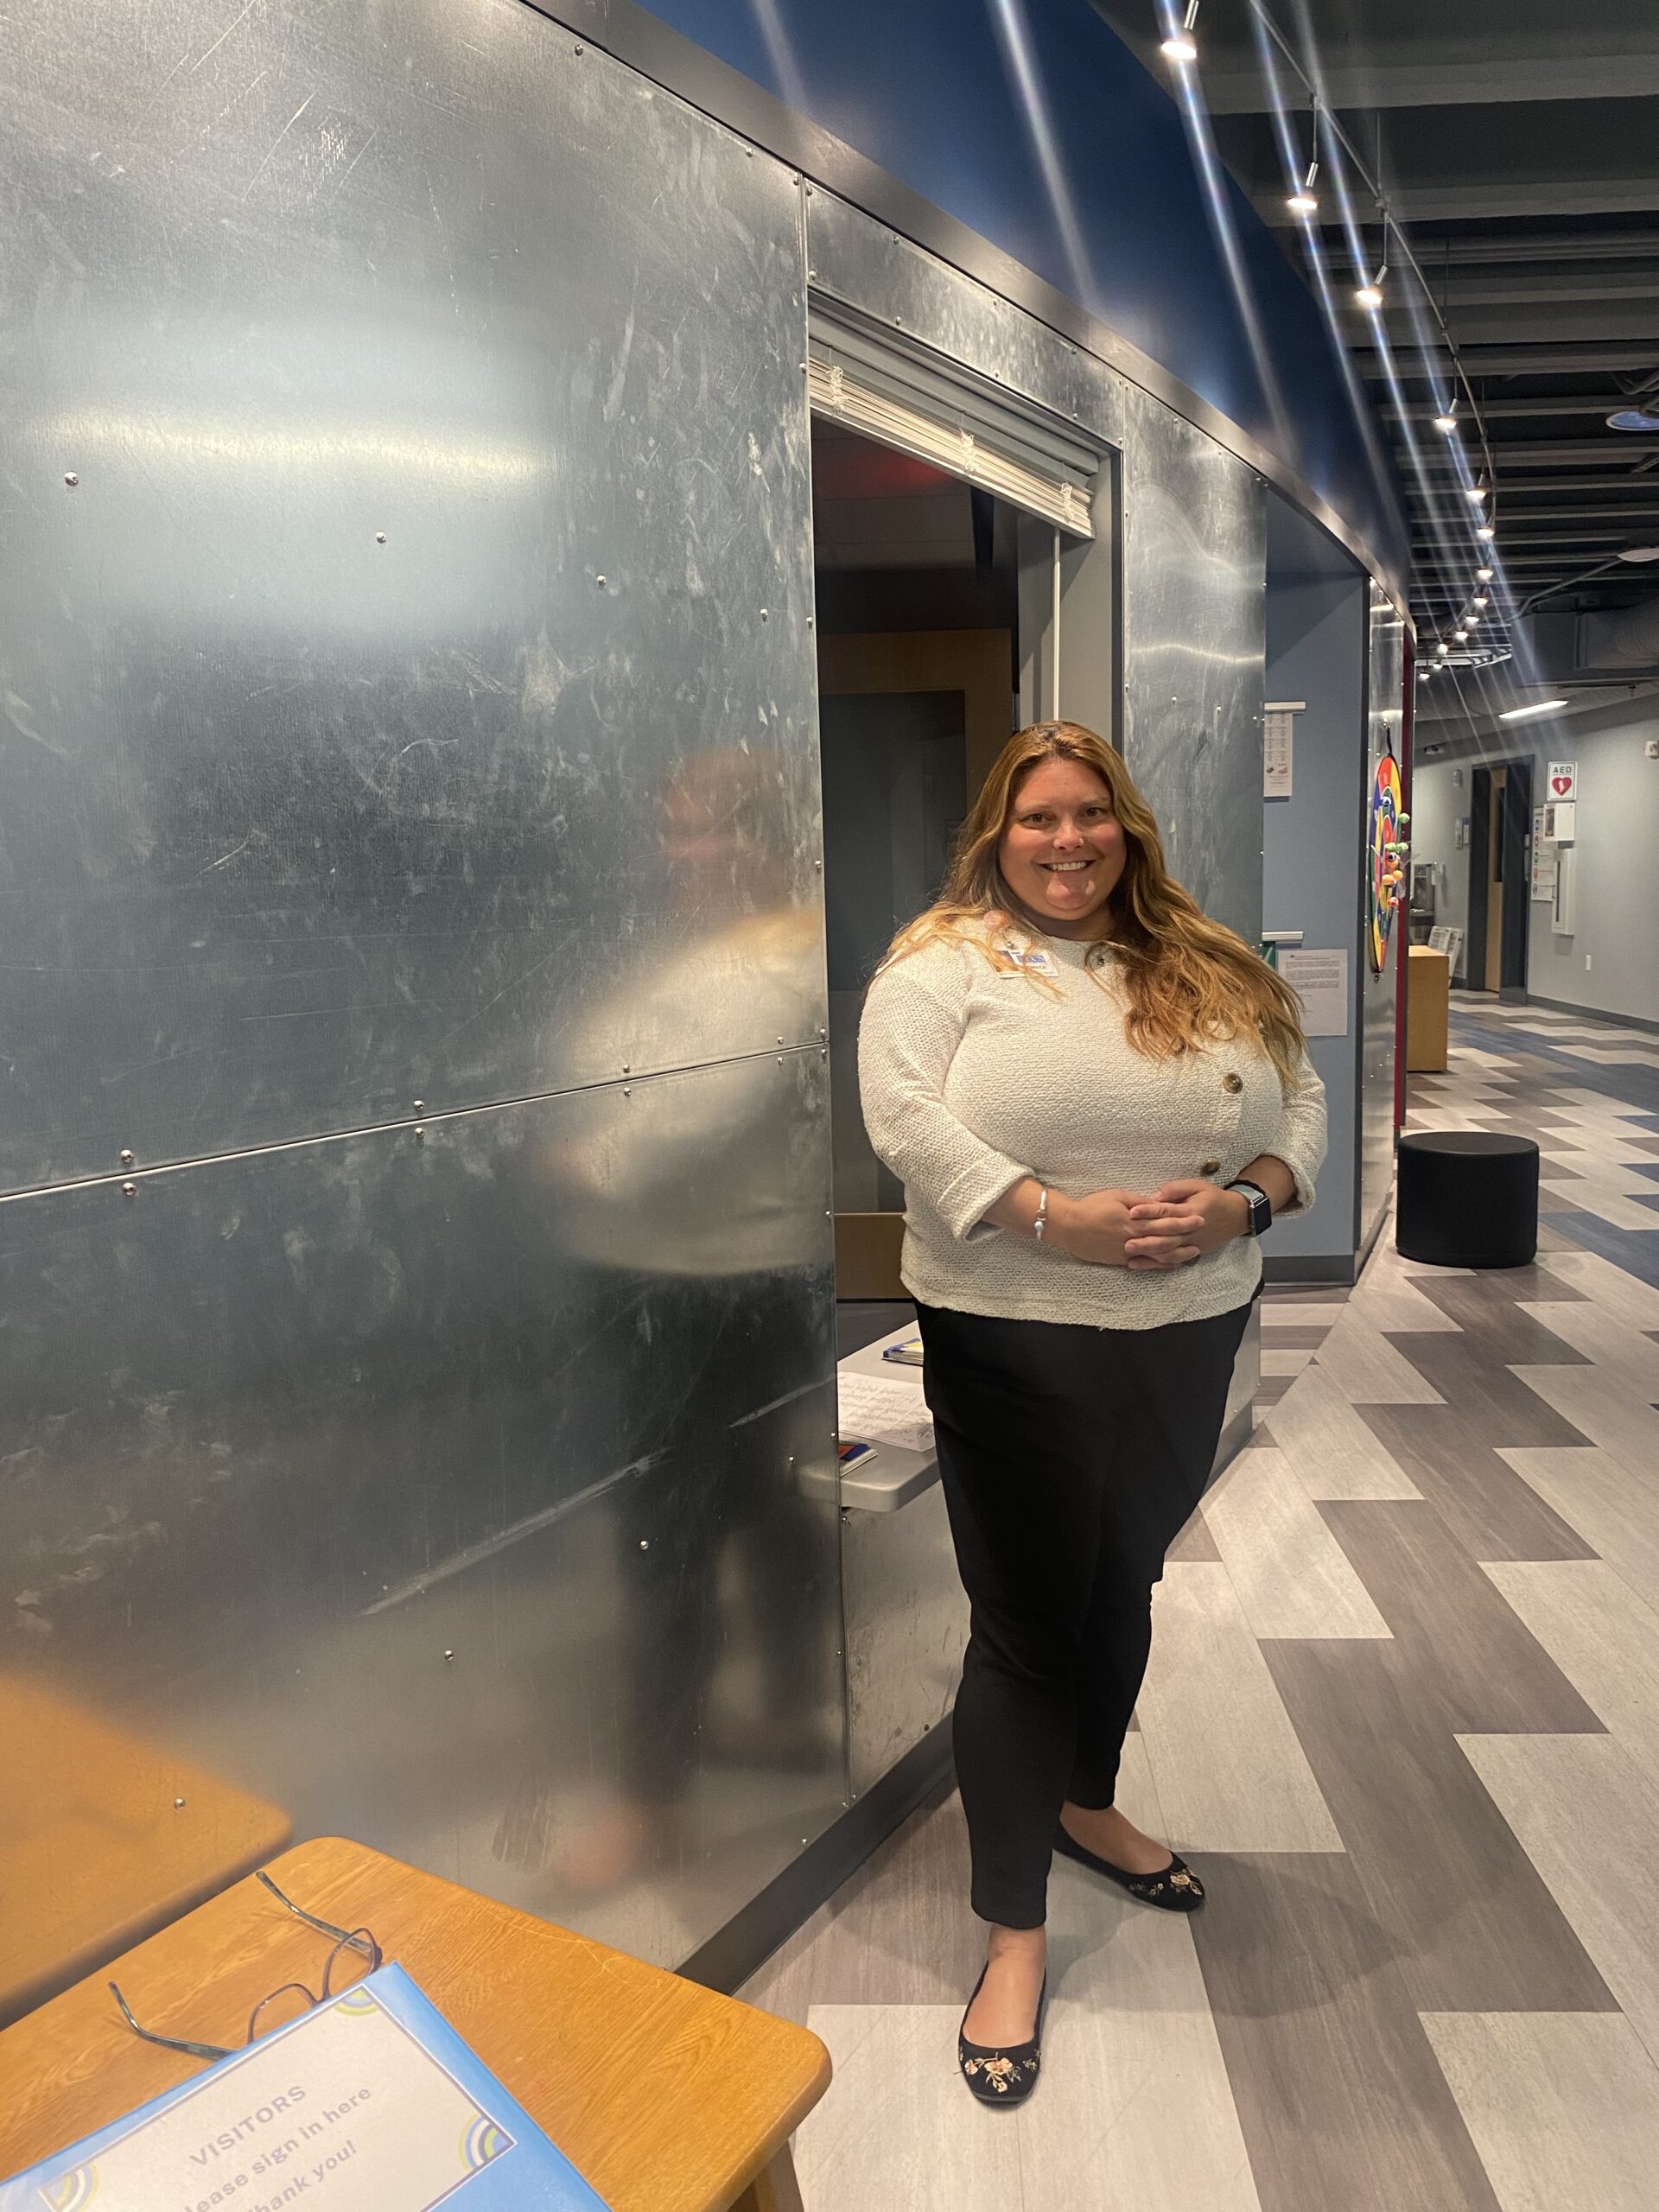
point(1041, 963)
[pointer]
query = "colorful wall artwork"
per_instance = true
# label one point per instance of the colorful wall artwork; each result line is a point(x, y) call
point(1388, 856)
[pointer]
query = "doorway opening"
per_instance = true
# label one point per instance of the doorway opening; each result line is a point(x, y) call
point(1500, 843)
point(938, 606)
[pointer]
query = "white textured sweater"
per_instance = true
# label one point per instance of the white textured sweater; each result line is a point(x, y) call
point(973, 1075)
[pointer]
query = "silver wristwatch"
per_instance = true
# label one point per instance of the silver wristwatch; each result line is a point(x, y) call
point(1260, 1206)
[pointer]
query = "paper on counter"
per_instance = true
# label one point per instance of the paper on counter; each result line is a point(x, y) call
point(882, 1409)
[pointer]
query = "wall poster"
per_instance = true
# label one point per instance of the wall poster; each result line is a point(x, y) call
point(1320, 979)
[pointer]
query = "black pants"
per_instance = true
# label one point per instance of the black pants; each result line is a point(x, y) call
point(1071, 1458)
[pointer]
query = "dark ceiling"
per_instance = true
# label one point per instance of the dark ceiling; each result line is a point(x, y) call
point(1519, 147)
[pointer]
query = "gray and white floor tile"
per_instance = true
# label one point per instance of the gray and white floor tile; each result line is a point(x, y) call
point(1404, 1709)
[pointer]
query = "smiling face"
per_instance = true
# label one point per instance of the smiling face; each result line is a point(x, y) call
point(1062, 851)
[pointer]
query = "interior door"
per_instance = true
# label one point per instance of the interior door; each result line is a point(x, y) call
point(1493, 977)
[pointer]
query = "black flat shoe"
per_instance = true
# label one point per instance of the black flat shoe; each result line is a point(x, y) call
point(1007, 2077)
point(1176, 1888)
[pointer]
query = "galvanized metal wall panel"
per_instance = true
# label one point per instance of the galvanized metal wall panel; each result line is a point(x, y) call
point(423, 631)
point(409, 695)
point(898, 288)
point(435, 1489)
point(1194, 571)
point(907, 1631)
point(1385, 701)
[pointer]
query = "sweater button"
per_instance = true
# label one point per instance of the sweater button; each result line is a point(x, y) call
point(1210, 1167)
point(1232, 1082)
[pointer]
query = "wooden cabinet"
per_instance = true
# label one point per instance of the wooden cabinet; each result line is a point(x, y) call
point(1429, 982)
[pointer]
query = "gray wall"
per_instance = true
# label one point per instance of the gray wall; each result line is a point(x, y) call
point(1311, 868)
point(1617, 920)
point(1437, 803)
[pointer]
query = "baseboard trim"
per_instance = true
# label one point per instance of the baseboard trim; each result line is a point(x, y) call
point(1595, 1014)
point(742, 1947)
point(1313, 1266)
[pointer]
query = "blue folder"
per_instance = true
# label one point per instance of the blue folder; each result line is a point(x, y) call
point(323, 2137)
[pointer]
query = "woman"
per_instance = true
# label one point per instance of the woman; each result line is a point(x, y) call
point(1097, 1099)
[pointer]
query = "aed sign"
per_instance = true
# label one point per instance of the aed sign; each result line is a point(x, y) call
point(1563, 779)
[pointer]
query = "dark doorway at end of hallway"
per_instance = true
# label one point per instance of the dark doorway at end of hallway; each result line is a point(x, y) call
point(1500, 858)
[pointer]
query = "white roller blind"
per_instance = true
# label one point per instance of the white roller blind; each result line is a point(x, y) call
point(919, 413)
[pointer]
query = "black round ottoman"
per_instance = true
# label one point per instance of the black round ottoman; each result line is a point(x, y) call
point(1468, 1198)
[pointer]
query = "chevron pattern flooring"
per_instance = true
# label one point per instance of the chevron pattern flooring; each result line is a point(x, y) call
point(1404, 1711)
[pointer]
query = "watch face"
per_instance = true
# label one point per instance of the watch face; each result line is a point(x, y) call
point(1261, 1210)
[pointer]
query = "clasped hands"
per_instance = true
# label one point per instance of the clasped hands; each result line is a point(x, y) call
point(1167, 1229)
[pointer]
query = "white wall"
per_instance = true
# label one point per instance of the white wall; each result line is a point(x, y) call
point(1436, 804)
point(1610, 963)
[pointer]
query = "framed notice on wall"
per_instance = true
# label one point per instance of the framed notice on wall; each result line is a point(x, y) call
point(1278, 745)
point(1320, 979)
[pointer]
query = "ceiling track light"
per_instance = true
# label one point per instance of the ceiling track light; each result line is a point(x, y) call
point(1181, 46)
point(1446, 420)
point(1370, 295)
point(1480, 599)
point(1476, 492)
point(1305, 200)
point(1484, 574)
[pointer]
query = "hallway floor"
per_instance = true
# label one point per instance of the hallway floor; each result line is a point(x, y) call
point(1404, 1712)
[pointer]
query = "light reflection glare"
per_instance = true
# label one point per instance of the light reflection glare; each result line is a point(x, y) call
point(781, 54)
point(1014, 36)
point(153, 437)
point(1219, 207)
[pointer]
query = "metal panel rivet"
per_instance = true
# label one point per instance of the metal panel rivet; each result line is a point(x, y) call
point(380, 536)
point(645, 1543)
point(126, 1159)
point(764, 616)
point(627, 1067)
point(178, 1804)
point(809, 621)
point(599, 583)
point(129, 1190)
point(582, 49)
point(448, 1654)
point(627, 1090)
point(69, 477)
point(418, 1105)
point(420, 1133)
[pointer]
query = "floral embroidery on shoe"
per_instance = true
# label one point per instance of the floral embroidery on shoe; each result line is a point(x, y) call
point(1001, 2071)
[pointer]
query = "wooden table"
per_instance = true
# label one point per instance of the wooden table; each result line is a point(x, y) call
point(104, 1836)
point(667, 2097)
